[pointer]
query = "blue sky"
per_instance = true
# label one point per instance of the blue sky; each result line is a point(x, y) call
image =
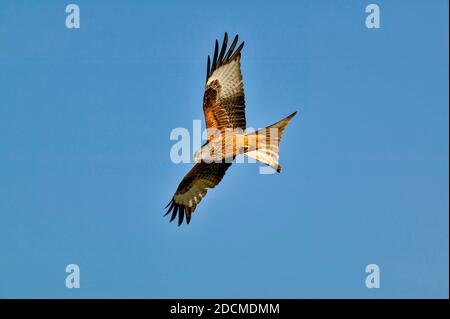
point(85, 118)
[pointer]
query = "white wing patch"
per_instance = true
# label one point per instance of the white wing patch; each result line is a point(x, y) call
point(230, 79)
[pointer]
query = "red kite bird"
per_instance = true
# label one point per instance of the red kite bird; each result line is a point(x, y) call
point(224, 108)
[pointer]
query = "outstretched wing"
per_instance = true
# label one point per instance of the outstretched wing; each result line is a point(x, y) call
point(193, 188)
point(224, 100)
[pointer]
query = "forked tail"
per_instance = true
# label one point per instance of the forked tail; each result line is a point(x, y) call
point(263, 145)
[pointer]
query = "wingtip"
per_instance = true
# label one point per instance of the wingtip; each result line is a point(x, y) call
point(237, 52)
point(174, 213)
point(181, 215)
point(172, 204)
point(188, 215)
point(169, 203)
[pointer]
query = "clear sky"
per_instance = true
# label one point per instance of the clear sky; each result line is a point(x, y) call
point(85, 171)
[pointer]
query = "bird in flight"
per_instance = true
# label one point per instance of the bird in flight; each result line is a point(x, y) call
point(224, 109)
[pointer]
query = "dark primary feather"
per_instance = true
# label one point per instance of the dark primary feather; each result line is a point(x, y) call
point(233, 45)
point(214, 62)
point(221, 58)
point(238, 50)
point(171, 203)
point(174, 213)
point(181, 215)
point(188, 215)
point(208, 68)
point(224, 47)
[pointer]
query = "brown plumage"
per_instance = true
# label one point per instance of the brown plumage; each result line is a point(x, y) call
point(224, 109)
